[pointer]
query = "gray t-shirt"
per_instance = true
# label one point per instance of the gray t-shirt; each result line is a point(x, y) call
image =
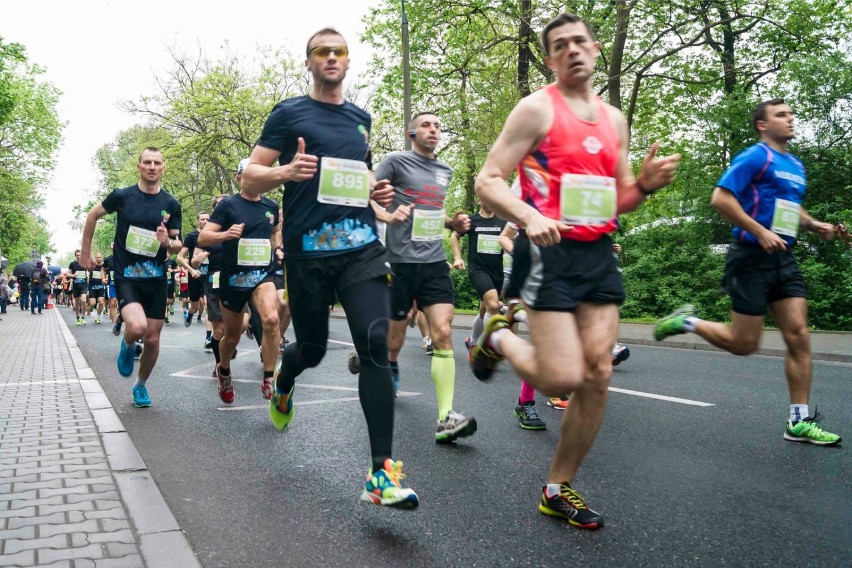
point(423, 182)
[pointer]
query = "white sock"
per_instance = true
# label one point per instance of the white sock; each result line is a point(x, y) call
point(798, 412)
point(689, 324)
point(140, 381)
point(552, 489)
point(476, 331)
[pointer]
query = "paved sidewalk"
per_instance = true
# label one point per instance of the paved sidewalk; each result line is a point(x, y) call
point(73, 489)
point(826, 346)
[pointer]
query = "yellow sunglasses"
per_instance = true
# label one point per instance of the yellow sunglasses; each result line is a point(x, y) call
point(325, 50)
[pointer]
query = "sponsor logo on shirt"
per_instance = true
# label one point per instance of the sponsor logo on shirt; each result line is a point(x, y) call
point(442, 178)
point(592, 145)
point(488, 230)
point(792, 178)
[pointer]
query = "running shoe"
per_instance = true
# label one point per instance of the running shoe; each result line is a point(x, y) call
point(208, 343)
point(281, 418)
point(125, 360)
point(187, 319)
point(395, 377)
point(430, 349)
point(79, 321)
point(166, 318)
point(116, 327)
point(558, 402)
point(267, 388)
point(140, 397)
point(483, 359)
point(354, 363)
point(226, 388)
point(806, 430)
point(455, 425)
point(516, 312)
point(528, 418)
point(171, 310)
point(467, 346)
point(383, 488)
point(619, 353)
point(672, 324)
point(198, 319)
point(426, 344)
point(98, 321)
point(569, 505)
point(83, 321)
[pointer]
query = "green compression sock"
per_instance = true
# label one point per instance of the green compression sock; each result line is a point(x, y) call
point(444, 379)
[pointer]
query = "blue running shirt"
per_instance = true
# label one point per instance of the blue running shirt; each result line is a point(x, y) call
point(759, 177)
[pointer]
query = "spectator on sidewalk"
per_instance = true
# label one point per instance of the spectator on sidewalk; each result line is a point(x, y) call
point(38, 280)
point(6, 294)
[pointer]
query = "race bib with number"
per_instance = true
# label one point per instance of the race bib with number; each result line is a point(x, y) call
point(214, 280)
point(96, 275)
point(488, 244)
point(507, 262)
point(587, 200)
point(344, 182)
point(254, 252)
point(142, 242)
point(427, 225)
point(785, 220)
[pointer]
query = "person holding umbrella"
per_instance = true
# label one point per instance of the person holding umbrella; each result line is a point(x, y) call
point(23, 272)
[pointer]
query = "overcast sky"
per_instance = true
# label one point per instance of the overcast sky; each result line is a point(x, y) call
point(100, 52)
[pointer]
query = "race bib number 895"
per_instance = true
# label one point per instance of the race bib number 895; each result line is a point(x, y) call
point(344, 182)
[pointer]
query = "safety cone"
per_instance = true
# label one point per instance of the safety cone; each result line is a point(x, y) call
point(49, 301)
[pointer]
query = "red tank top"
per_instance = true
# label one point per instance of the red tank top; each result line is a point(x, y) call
point(573, 146)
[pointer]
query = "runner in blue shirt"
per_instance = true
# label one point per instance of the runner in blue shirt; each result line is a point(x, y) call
point(761, 195)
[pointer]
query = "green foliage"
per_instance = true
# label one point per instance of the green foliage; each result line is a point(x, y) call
point(29, 135)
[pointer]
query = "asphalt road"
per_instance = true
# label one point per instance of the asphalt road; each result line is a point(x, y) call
point(680, 484)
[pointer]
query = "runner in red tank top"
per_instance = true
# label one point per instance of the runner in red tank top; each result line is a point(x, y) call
point(571, 152)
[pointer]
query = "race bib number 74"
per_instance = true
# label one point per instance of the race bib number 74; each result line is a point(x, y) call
point(587, 200)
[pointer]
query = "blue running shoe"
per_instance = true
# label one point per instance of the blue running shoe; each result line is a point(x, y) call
point(395, 377)
point(140, 397)
point(125, 360)
point(187, 319)
point(281, 419)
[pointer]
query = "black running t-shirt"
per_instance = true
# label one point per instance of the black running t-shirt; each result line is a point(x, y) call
point(339, 136)
point(483, 250)
point(138, 254)
point(78, 271)
point(247, 260)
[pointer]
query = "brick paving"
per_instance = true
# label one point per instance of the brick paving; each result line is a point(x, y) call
point(59, 501)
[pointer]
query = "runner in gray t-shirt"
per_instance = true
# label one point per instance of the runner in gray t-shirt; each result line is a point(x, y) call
point(415, 242)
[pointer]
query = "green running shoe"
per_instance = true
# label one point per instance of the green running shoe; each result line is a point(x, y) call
point(383, 488)
point(806, 430)
point(483, 359)
point(672, 324)
point(279, 418)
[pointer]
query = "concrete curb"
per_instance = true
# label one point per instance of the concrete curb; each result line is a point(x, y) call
point(161, 541)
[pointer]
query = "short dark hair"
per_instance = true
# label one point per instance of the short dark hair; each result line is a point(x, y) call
point(759, 112)
point(560, 21)
point(418, 115)
point(77, 251)
point(149, 149)
point(200, 213)
point(324, 31)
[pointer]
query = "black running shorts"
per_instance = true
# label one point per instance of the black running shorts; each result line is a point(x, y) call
point(755, 279)
point(235, 299)
point(311, 282)
point(97, 293)
point(150, 293)
point(560, 277)
point(427, 283)
point(483, 281)
point(214, 308)
point(78, 290)
point(196, 287)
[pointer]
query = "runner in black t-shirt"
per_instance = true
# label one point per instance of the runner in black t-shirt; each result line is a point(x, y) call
point(196, 276)
point(212, 257)
point(97, 289)
point(79, 288)
point(321, 144)
point(249, 229)
point(147, 231)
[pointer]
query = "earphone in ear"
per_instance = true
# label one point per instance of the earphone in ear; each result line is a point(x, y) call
point(411, 133)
